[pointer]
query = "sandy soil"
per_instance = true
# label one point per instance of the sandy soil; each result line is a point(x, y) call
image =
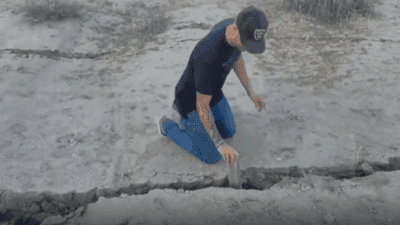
point(72, 123)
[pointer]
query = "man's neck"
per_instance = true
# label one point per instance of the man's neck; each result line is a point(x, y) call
point(227, 37)
point(230, 39)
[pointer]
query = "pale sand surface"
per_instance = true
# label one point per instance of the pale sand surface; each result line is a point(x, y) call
point(76, 124)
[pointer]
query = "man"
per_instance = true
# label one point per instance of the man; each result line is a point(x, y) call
point(206, 117)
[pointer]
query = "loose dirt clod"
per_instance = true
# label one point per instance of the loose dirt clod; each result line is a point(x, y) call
point(367, 168)
point(329, 218)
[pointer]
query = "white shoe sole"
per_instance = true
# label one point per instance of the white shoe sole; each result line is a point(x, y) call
point(157, 122)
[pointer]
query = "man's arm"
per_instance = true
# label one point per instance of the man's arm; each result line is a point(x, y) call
point(240, 71)
point(205, 115)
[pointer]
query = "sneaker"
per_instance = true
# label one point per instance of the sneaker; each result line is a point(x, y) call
point(172, 113)
point(159, 120)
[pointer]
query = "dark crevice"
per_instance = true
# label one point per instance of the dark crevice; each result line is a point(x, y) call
point(33, 207)
point(56, 54)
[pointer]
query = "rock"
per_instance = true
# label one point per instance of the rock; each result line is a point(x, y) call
point(329, 218)
point(80, 211)
point(373, 210)
point(154, 49)
point(70, 215)
point(367, 168)
point(58, 207)
point(13, 200)
point(52, 220)
point(123, 195)
point(99, 192)
point(47, 207)
point(34, 208)
point(74, 221)
point(207, 181)
point(348, 183)
point(89, 197)
point(91, 55)
point(40, 216)
point(77, 55)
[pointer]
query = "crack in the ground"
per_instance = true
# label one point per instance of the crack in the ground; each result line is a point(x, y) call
point(56, 54)
point(33, 207)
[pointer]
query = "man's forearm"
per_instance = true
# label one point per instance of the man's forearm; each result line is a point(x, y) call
point(247, 85)
point(240, 71)
point(207, 119)
point(249, 89)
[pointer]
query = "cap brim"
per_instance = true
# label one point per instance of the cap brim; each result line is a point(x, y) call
point(255, 47)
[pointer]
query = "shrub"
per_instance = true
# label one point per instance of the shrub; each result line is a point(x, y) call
point(332, 11)
point(150, 21)
point(40, 11)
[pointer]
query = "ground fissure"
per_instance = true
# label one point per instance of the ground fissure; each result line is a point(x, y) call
point(33, 207)
point(56, 54)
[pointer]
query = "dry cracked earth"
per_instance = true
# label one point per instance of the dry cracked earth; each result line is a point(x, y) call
point(78, 144)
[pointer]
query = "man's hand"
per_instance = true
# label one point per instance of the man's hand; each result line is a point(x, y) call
point(257, 99)
point(227, 151)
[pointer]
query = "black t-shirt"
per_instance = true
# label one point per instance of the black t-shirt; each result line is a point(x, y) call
point(209, 65)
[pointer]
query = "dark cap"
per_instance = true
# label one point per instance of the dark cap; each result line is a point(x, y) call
point(252, 24)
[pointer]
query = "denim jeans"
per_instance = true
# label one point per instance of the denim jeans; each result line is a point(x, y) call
point(192, 136)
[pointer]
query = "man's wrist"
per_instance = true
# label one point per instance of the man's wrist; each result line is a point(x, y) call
point(221, 143)
point(215, 138)
point(250, 91)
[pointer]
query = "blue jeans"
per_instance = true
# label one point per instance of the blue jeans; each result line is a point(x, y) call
point(193, 137)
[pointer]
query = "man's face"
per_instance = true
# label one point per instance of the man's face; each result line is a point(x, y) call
point(240, 46)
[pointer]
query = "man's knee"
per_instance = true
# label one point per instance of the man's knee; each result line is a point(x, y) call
point(231, 134)
point(211, 162)
point(213, 159)
point(231, 131)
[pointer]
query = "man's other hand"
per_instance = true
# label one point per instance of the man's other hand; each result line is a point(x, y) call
point(258, 101)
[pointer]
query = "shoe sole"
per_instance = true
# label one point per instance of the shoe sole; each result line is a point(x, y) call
point(157, 122)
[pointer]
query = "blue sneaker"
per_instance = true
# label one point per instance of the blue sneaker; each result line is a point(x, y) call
point(159, 120)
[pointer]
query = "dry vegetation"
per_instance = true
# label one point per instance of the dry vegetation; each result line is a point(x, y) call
point(332, 11)
point(39, 11)
point(149, 21)
point(310, 39)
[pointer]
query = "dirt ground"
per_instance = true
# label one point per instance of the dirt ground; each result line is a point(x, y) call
point(81, 118)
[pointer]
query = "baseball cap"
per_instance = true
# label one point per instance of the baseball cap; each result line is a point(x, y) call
point(252, 24)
